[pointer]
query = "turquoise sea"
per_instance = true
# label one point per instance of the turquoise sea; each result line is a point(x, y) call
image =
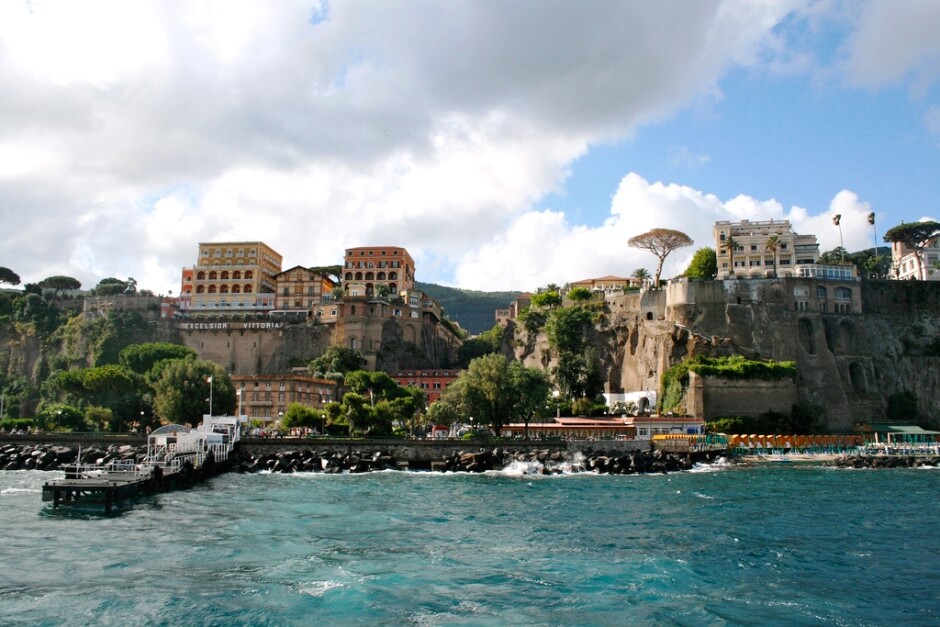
point(785, 544)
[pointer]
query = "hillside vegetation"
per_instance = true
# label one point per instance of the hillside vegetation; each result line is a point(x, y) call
point(471, 309)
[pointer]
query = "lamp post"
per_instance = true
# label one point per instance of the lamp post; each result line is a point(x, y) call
point(323, 424)
point(556, 394)
point(238, 393)
point(58, 419)
point(209, 381)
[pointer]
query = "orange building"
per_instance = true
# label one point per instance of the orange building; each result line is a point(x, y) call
point(369, 268)
point(229, 275)
point(431, 382)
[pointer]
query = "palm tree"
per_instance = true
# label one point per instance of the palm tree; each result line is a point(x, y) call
point(773, 244)
point(642, 274)
point(837, 220)
point(730, 244)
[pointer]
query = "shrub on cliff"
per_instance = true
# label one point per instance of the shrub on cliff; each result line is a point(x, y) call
point(676, 379)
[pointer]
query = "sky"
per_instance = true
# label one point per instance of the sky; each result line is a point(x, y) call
point(506, 145)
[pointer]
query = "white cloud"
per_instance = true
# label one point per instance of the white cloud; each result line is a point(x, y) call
point(894, 41)
point(132, 131)
point(541, 248)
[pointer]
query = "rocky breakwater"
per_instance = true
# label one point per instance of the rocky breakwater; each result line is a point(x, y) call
point(549, 462)
point(308, 460)
point(482, 459)
point(53, 457)
point(886, 461)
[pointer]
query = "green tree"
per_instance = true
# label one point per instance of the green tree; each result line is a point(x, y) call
point(141, 357)
point(109, 287)
point(833, 257)
point(531, 389)
point(60, 417)
point(660, 242)
point(547, 299)
point(99, 418)
point(373, 385)
point(357, 411)
point(298, 415)
point(567, 329)
point(59, 283)
point(337, 358)
point(182, 390)
point(916, 236)
point(704, 264)
point(9, 277)
point(579, 294)
point(487, 390)
point(490, 341)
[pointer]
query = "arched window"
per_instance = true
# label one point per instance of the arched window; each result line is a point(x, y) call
point(380, 276)
point(392, 287)
point(348, 277)
point(249, 275)
point(392, 276)
point(200, 276)
point(248, 288)
point(200, 289)
point(223, 289)
point(212, 289)
point(213, 275)
point(358, 276)
point(224, 275)
point(820, 292)
point(236, 289)
point(237, 275)
point(370, 276)
point(843, 293)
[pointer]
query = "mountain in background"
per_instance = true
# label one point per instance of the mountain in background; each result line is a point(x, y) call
point(473, 310)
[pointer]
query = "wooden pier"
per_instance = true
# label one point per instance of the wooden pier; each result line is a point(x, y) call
point(108, 488)
point(176, 457)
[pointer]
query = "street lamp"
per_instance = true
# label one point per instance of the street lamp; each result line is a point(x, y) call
point(556, 394)
point(238, 392)
point(323, 424)
point(209, 381)
point(58, 419)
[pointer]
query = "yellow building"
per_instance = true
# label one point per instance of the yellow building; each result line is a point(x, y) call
point(231, 276)
point(750, 256)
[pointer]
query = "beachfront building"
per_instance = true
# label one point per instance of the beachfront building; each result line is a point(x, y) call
point(266, 397)
point(231, 276)
point(904, 261)
point(758, 249)
point(377, 271)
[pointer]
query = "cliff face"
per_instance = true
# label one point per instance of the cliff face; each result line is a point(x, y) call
point(887, 341)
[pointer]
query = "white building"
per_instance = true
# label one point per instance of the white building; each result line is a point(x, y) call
point(749, 256)
point(905, 266)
